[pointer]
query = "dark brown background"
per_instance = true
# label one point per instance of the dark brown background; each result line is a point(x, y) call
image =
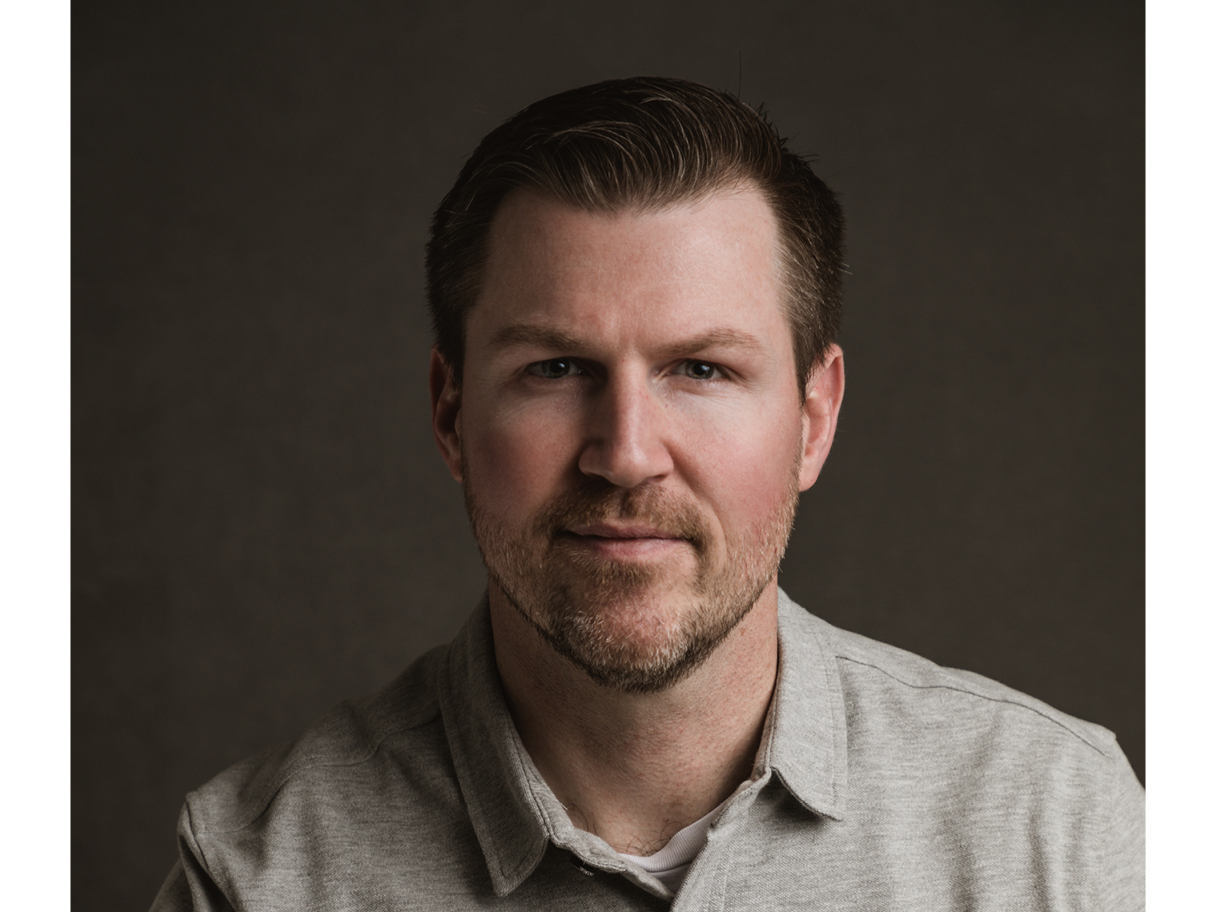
point(261, 525)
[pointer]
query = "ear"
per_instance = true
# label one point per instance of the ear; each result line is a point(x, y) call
point(445, 413)
point(824, 393)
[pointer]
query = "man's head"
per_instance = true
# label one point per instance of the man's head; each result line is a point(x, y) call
point(631, 420)
point(640, 144)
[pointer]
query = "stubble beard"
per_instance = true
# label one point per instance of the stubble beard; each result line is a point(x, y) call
point(605, 616)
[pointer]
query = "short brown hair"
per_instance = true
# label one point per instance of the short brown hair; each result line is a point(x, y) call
point(646, 142)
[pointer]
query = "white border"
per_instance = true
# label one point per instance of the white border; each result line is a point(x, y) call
point(1180, 447)
point(35, 199)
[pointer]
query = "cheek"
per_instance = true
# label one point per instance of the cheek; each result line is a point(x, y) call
point(515, 460)
point(749, 475)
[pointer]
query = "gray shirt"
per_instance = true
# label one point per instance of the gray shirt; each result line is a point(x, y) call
point(883, 782)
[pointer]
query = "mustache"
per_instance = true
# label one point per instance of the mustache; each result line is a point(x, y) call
point(596, 502)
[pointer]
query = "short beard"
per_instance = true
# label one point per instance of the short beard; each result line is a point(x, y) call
point(572, 597)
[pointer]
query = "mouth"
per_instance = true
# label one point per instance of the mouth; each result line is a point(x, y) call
point(622, 532)
point(623, 541)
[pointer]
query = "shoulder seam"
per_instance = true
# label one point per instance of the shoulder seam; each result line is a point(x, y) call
point(981, 696)
point(312, 761)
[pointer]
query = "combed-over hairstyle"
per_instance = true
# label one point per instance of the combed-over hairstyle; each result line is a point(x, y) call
point(642, 143)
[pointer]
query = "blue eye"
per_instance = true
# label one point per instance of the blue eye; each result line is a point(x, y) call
point(701, 370)
point(553, 369)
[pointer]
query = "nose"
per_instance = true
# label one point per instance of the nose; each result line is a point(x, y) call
point(625, 436)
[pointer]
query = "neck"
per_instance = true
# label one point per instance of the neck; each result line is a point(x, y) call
point(636, 768)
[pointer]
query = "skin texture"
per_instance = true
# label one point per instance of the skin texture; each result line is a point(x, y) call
point(631, 437)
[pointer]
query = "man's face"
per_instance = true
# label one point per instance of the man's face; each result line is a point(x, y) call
point(629, 431)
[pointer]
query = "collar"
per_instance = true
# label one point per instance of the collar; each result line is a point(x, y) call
point(516, 815)
point(807, 744)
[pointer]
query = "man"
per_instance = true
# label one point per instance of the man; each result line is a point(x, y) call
point(635, 290)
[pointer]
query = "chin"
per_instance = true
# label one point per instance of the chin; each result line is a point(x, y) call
point(636, 641)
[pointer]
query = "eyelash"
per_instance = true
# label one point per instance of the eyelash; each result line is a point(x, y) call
point(537, 369)
point(718, 373)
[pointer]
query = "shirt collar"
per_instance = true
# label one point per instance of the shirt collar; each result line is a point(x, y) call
point(499, 782)
point(515, 814)
point(807, 745)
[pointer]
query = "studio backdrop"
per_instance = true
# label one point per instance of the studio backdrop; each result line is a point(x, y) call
point(261, 523)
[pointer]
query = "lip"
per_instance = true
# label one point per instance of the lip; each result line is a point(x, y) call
point(623, 532)
point(625, 541)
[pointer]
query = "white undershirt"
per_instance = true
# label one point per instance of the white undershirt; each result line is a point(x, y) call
point(670, 863)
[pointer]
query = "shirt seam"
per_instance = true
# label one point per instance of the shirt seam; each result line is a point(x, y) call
point(196, 838)
point(306, 764)
point(979, 696)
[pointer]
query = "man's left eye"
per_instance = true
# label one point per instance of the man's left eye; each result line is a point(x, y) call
point(701, 370)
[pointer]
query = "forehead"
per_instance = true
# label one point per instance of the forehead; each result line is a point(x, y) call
point(713, 259)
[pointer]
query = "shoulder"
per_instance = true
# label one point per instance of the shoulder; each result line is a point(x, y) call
point(946, 776)
point(908, 712)
point(954, 772)
point(370, 788)
point(349, 746)
point(872, 671)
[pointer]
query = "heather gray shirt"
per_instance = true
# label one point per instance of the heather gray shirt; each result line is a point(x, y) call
point(883, 782)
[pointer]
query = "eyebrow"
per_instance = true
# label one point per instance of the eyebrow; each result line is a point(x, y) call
point(532, 334)
point(556, 340)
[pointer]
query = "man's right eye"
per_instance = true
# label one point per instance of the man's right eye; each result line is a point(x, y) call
point(553, 369)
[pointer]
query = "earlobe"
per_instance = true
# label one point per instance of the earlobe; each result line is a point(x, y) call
point(824, 393)
point(445, 413)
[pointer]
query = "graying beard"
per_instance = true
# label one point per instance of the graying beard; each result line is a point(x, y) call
point(648, 679)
